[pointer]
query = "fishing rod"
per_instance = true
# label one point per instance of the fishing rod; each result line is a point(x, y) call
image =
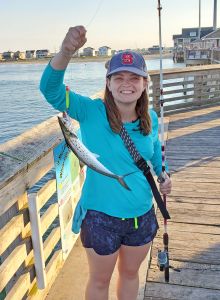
point(163, 256)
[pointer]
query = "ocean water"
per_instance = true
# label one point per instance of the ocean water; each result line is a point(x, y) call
point(22, 106)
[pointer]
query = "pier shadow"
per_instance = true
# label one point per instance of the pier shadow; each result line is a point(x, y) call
point(185, 122)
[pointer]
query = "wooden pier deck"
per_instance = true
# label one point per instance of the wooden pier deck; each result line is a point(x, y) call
point(193, 152)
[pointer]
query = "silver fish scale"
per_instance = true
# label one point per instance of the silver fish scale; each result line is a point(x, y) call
point(86, 156)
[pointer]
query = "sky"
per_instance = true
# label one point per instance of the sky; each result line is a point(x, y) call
point(119, 24)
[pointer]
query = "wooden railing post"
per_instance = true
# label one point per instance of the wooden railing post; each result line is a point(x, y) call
point(156, 92)
point(37, 241)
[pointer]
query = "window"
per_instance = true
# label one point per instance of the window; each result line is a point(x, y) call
point(192, 33)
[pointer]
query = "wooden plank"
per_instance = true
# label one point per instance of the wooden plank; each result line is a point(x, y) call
point(48, 217)
point(11, 264)
point(199, 112)
point(20, 289)
point(201, 179)
point(195, 142)
point(191, 174)
point(205, 164)
point(193, 153)
point(187, 216)
point(51, 241)
point(206, 85)
point(189, 228)
point(46, 192)
point(172, 291)
point(193, 167)
point(28, 147)
point(201, 187)
point(195, 207)
point(183, 199)
point(191, 236)
point(189, 71)
point(198, 275)
point(192, 245)
point(22, 181)
point(52, 269)
point(191, 104)
point(194, 127)
point(10, 232)
point(190, 255)
point(198, 194)
point(37, 242)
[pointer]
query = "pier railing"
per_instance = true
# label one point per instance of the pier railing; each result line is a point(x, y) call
point(24, 161)
point(186, 87)
point(216, 55)
point(28, 159)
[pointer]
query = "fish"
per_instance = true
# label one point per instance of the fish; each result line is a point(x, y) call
point(84, 154)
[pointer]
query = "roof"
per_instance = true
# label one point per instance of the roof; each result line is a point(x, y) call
point(88, 48)
point(186, 32)
point(105, 47)
point(213, 35)
point(177, 36)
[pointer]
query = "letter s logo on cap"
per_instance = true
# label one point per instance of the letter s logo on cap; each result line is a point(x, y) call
point(127, 59)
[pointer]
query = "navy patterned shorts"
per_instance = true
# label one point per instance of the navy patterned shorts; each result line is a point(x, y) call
point(105, 234)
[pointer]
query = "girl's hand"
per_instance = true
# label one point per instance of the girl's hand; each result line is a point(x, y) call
point(166, 186)
point(74, 39)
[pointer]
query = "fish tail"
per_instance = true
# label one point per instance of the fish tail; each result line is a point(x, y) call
point(122, 182)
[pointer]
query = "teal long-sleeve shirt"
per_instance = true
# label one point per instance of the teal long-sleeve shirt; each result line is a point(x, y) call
point(100, 192)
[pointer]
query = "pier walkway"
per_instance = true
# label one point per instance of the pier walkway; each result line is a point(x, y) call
point(193, 153)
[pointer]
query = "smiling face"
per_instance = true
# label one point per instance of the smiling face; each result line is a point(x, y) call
point(126, 87)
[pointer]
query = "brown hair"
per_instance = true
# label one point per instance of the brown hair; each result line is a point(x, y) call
point(114, 116)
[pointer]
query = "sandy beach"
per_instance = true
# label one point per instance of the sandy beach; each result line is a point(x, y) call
point(81, 59)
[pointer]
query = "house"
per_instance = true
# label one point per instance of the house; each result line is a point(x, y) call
point(1, 56)
point(155, 49)
point(89, 51)
point(30, 54)
point(19, 55)
point(7, 55)
point(104, 51)
point(43, 53)
point(189, 35)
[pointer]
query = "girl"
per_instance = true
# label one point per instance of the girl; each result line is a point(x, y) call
point(119, 224)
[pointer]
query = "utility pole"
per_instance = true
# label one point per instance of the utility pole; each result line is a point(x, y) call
point(199, 31)
point(215, 15)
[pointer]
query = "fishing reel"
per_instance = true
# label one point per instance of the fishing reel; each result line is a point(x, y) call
point(163, 263)
point(162, 260)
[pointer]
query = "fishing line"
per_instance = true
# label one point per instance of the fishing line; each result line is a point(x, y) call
point(88, 24)
point(96, 12)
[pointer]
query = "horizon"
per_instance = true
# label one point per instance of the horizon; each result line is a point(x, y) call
point(136, 23)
